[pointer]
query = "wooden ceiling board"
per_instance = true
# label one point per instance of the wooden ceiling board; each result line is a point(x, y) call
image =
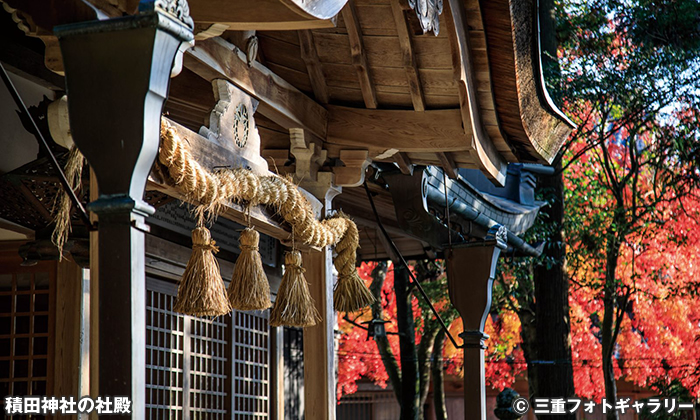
point(283, 53)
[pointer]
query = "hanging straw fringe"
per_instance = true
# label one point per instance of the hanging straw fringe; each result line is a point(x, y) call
point(294, 305)
point(350, 293)
point(216, 189)
point(249, 289)
point(62, 203)
point(202, 291)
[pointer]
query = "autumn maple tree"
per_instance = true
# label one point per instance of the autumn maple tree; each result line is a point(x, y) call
point(637, 155)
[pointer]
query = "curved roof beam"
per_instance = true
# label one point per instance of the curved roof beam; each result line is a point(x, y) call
point(482, 148)
point(535, 128)
point(267, 14)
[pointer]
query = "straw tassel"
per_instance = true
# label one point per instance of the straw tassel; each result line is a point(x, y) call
point(202, 291)
point(249, 289)
point(62, 203)
point(351, 293)
point(294, 305)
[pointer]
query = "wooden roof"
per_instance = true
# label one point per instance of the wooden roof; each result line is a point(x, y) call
point(362, 74)
point(470, 96)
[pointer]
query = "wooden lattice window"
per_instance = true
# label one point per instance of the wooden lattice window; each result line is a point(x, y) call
point(164, 357)
point(251, 366)
point(26, 328)
point(207, 368)
point(203, 368)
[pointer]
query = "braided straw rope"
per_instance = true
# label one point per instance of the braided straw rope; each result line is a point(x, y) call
point(213, 190)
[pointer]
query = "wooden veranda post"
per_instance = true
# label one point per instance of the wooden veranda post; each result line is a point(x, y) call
point(470, 273)
point(319, 340)
point(117, 77)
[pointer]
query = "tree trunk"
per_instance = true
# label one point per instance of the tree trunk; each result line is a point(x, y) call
point(410, 382)
point(608, 329)
point(425, 350)
point(388, 359)
point(438, 370)
point(555, 377)
point(528, 334)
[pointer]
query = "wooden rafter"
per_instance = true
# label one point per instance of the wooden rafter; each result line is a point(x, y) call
point(409, 59)
point(404, 162)
point(448, 164)
point(279, 100)
point(313, 65)
point(359, 57)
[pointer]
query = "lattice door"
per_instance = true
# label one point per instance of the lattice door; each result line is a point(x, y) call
point(192, 373)
point(26, 328)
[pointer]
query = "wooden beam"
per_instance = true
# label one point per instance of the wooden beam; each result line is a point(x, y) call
point(313, 66)
point(267, 14)
point(359, 58)
point(483, 150)
point(210, 155)
point(448, 164)
point(405, 130)
point(279, 100)
point(409, 59)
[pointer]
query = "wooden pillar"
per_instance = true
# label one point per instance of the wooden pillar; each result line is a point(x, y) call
point(319, 340)
point(470, 273)
point(70, 370)
point(277, 366)
point(94, 306)
point(117, 77)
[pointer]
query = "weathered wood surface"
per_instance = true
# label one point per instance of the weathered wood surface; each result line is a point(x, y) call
point(483, 149)
point(539, 128)
point(68, 337)
point(313, 66)
point(279, 100)
point(267, 14)
point(408, 131)
point(319, 340)
point(359, 57)
point(319, 351)
point(409, 59)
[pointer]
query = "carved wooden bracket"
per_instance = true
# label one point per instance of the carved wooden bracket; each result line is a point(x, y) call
point(353, 173)
point(232, 123)
point(308, 152)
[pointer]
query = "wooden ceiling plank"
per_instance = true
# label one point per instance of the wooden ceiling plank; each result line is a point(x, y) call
point(279, 100)
point(313, 66)
point(409, 59)
point(359, 57)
